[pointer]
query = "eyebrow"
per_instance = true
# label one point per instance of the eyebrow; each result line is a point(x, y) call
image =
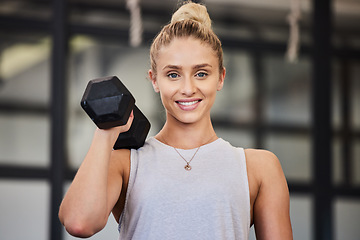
point(202, 66)
point(172, 67)
point(197, 66)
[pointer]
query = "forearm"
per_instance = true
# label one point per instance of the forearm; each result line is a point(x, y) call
point(85, 205)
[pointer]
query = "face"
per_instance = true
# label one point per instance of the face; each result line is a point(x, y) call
point(187, 78)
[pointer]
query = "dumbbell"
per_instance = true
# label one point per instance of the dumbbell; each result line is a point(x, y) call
point(109, 104)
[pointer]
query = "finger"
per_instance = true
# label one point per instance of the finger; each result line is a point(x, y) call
point(129, 122)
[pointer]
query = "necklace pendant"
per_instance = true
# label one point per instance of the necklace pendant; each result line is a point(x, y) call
point(187, 167)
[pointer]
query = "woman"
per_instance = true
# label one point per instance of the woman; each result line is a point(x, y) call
point(184, 183)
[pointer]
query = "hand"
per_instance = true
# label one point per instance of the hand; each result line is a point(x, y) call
point(114, 132)
point(126, 127)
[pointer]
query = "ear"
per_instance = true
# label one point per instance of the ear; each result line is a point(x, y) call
point(221, 79)
point(152, 77)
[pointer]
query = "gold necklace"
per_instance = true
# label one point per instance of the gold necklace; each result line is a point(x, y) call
point(187, 166)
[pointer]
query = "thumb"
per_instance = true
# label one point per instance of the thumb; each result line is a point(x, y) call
point(129, 122)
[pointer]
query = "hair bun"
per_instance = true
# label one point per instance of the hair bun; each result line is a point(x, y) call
point(192, 11)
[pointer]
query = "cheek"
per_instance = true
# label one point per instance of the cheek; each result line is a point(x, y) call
point(167, 87)
point(166, 91)
point(209, 89)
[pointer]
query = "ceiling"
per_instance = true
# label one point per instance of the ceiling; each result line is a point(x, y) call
point(274, 12)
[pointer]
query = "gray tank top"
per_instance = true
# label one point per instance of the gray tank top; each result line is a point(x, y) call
point(164, 201)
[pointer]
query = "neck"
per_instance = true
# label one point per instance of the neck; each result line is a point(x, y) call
point(187, 136)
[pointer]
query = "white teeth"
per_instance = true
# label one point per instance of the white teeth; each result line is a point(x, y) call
point(188, 103)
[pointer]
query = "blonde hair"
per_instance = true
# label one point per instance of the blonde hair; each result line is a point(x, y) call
point(190, 20)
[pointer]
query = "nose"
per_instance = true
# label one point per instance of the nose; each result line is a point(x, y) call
point(188, 87)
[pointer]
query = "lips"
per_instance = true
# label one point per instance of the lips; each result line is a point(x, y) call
point(188, 105)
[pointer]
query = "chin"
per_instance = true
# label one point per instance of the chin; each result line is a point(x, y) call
point(190, 119)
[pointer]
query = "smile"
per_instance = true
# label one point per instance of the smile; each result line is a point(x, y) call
point(188, 103)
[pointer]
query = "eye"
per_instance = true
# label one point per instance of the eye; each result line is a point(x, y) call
point(173, 75)
point(201, 74)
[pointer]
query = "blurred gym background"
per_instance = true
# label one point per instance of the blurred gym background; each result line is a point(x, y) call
point(292, 86)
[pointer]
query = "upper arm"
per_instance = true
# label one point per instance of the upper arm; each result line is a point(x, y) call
point(119, 169)
point(271, 206)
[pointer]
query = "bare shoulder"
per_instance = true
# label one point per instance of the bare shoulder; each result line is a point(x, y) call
point(264, 172)
point(120, 161)
point(262, 162)
point(120, 155)
point(269, 195)
point(260, 155)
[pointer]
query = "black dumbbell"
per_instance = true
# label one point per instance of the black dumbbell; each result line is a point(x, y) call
point(109, 104)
